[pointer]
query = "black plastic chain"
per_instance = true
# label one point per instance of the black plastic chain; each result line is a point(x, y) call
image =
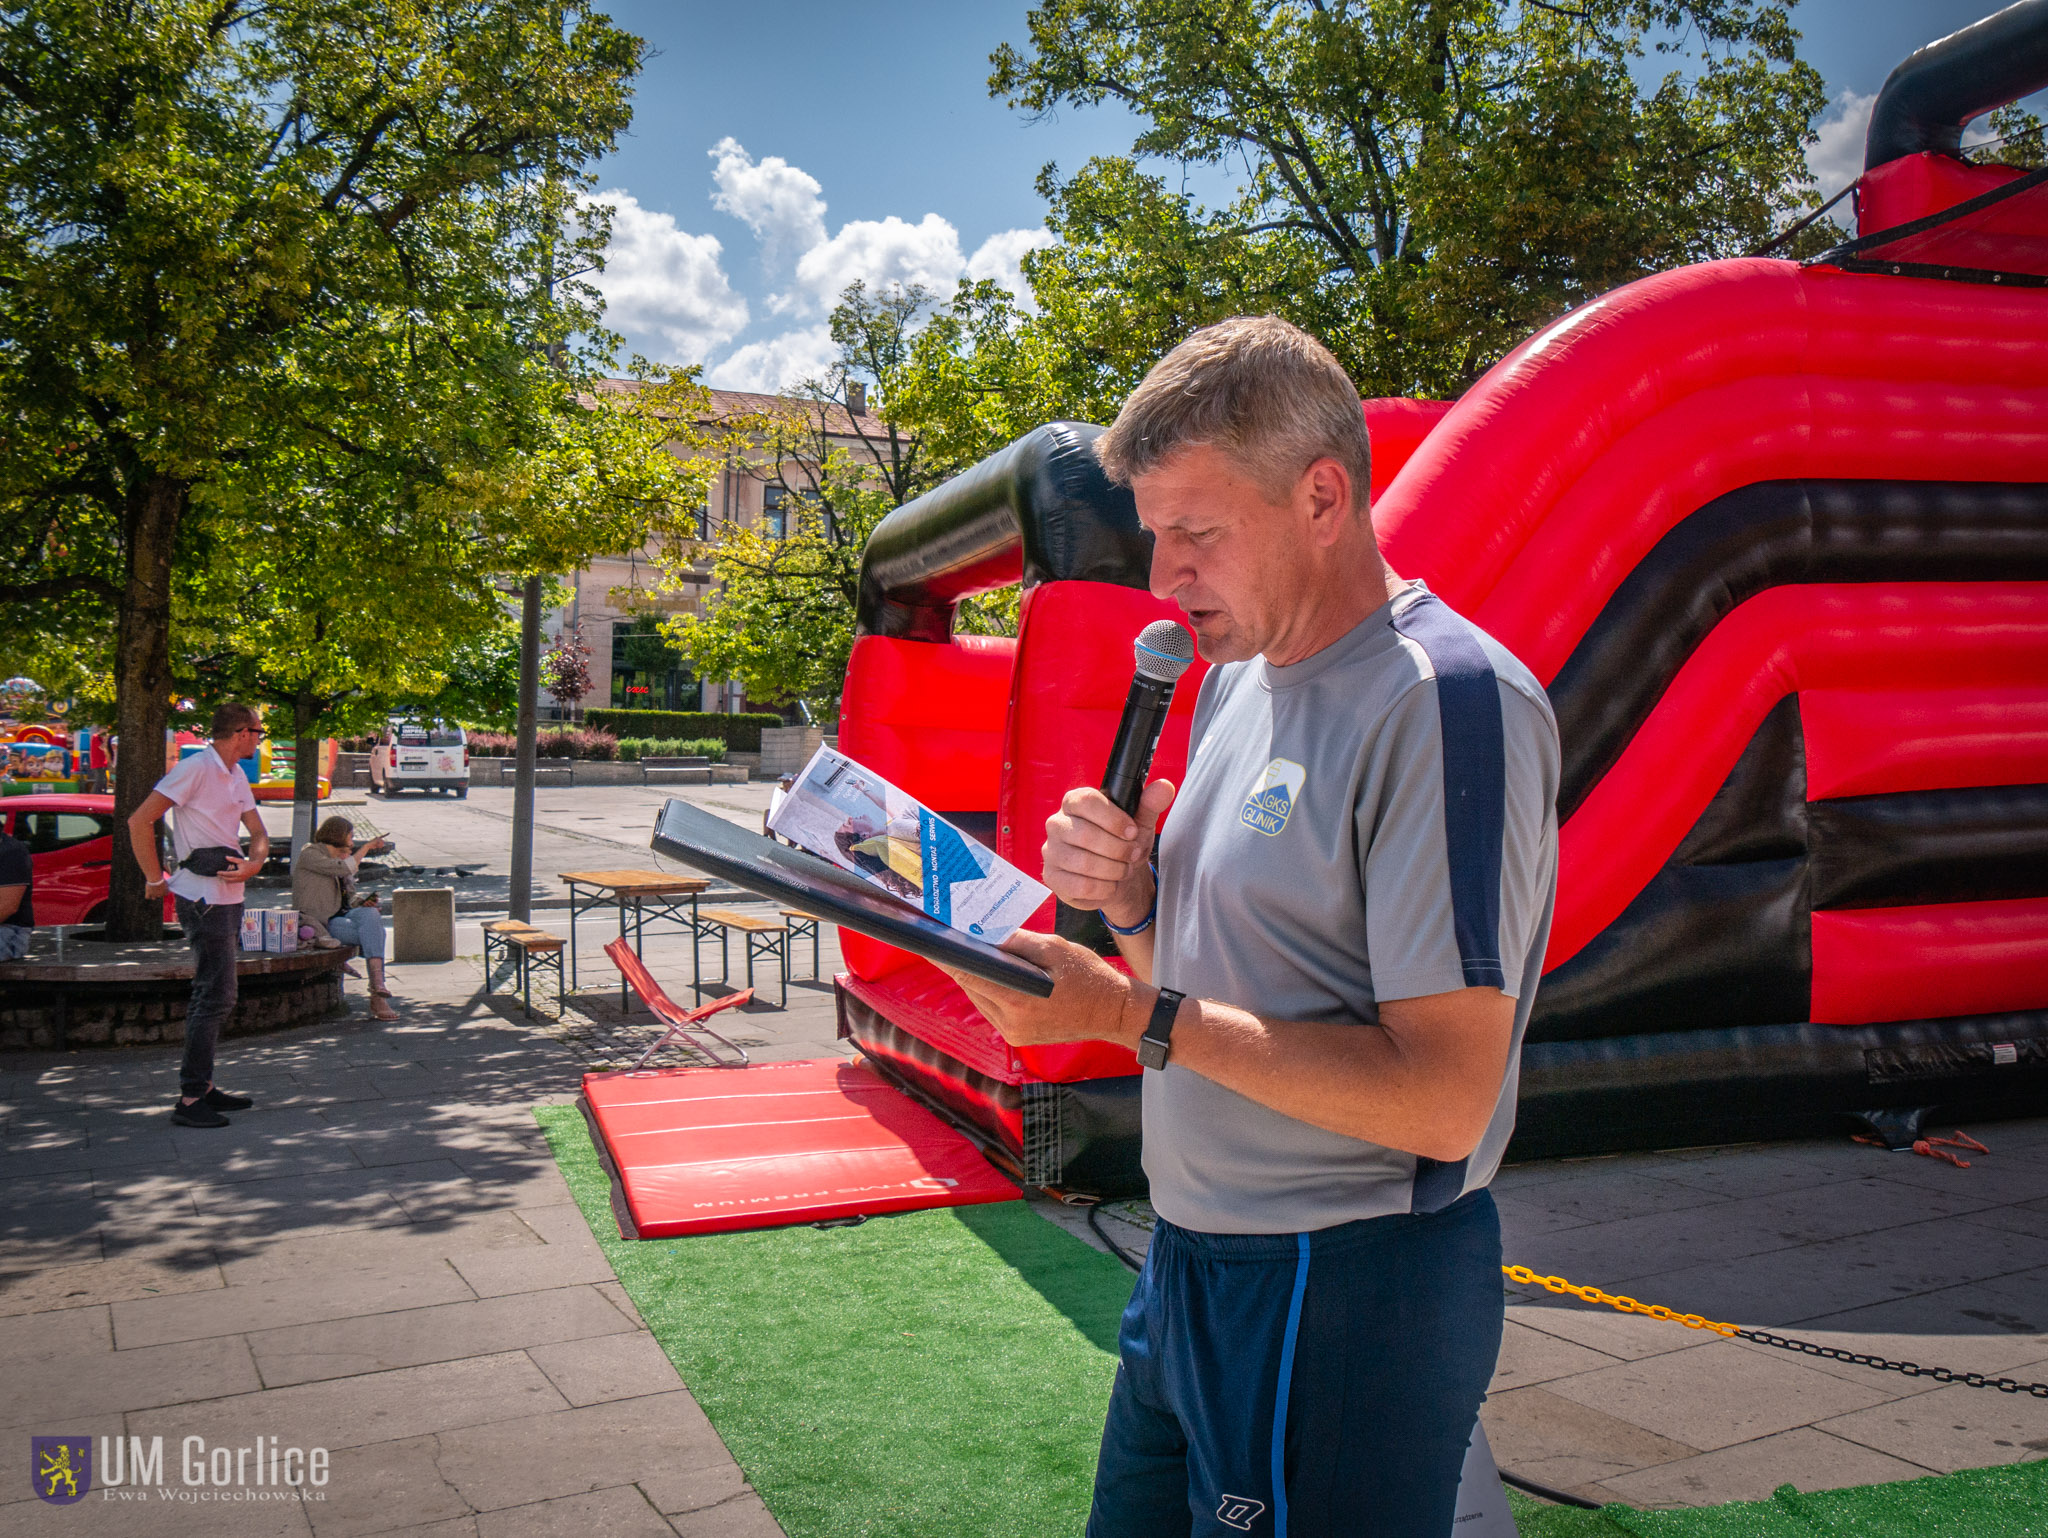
point(1883, 1364)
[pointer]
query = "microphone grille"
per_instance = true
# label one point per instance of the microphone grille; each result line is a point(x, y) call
point(1164, 651)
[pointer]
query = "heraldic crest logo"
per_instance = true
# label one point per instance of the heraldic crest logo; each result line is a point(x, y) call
point(61, 1468)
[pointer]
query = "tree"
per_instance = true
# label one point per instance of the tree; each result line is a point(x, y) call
point(565, 670)
point(781, 615)
point(250, 249)
point(1420, 183)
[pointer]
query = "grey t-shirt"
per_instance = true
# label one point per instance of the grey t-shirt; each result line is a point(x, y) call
point(1377, 821)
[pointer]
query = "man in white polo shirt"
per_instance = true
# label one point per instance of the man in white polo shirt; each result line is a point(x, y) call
point(211, 803)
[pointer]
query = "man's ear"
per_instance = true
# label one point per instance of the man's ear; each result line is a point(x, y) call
point(1326, 488)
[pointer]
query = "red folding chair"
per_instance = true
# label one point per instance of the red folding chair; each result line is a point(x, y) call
point(687, 1024)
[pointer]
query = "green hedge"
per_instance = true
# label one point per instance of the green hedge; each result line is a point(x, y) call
point(741, 734)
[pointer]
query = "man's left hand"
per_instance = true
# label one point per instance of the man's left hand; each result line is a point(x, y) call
point(1091, 1000)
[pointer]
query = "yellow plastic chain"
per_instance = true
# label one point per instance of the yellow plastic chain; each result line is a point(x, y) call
point(1558, 1284)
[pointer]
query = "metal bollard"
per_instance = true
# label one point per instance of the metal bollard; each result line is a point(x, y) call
point(423, 924)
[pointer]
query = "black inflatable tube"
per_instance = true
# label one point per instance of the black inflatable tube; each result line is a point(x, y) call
point(1772, 534)
point(1928, 99)
point(1685, 1088)
point(1043, 506)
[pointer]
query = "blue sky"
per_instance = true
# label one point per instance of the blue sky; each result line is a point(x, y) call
point(780, 149)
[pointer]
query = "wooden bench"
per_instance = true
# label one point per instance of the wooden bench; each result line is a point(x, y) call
point(764, 937)
point(535, 950)
point(802, 924)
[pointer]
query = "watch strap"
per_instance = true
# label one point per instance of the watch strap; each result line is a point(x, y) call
point(1157, 1040)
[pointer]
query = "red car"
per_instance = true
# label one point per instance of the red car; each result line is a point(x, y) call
point(70, 840)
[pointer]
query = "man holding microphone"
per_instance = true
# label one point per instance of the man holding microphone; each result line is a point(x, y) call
point(1331, 970)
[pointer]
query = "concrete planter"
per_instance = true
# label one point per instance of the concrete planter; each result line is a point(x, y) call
point(786, 749)
point(587, 772)
point(748, 762)
point(351, 770)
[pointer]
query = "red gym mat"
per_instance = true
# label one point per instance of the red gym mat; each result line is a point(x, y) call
point(708, 1150)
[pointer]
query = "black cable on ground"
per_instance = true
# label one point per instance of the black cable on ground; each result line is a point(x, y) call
point(1545, 1493)
point(1122, 1254)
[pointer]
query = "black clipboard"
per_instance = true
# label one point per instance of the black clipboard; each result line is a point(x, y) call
point(707, 842)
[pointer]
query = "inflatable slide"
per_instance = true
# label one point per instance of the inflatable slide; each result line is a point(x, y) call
point(1775, 538)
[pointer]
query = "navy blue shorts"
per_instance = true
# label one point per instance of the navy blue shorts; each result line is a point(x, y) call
point(1303, 1385)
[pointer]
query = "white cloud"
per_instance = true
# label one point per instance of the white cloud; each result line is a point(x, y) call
point(663, 283)
point(882, 252)
point(1001, 257)
point(1836, 157)
point(774, 199)
point(776, 362)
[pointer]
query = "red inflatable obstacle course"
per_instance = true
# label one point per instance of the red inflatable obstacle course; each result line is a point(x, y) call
point(1775, 538)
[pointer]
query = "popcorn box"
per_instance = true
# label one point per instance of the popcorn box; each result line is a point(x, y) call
point(252, 929)
point(280, 930)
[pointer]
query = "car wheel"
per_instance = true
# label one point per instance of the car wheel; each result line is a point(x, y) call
point(98, 913)
point(462, 793)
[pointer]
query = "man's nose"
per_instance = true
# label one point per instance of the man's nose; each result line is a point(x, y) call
point(1169, 575)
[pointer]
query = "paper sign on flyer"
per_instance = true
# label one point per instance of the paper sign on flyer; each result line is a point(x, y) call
point(860, 822)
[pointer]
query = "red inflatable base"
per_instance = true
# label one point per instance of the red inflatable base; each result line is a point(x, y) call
point(709, 1150)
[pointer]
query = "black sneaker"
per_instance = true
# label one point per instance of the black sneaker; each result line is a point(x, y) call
point(197, 1114)
point(221, 1100)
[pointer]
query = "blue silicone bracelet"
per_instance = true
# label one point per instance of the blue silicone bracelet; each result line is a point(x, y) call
point(1143, 924)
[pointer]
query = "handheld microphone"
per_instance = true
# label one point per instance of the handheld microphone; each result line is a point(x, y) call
point(1163, 651)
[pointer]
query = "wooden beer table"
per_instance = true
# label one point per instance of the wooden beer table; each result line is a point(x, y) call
point(648, 895)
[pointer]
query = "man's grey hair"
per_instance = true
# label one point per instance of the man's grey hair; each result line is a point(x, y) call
point(1255, 388)
point(231, 718)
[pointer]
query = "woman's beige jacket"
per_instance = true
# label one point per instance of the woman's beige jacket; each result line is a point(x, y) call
point(323, 883)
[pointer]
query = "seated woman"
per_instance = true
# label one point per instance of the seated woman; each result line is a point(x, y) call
point(323, 890)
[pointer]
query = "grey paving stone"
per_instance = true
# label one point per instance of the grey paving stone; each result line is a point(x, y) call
point(2020, 1218)
point(63, 1186)
point(152, 1518)
point(1531, 1356)
point(268, 1306)
point(1990, 1178)
point(100, 1281)
point(67, 1332)
point(1785, 1287)
point(1564, 1444)
point(492, 1273)
point(386, 1487)
point(612, 1366)
point(382, 1340)
point(619, 1512)
point(1716, 1395)
point(1956, 1427)
point(79, 1384)
point(1603, 1197)
point(1990, 1327)
point(265, 1258)
point(373, 1407)
point(621, 1302)
point(561, 1224)
point(1804, 1458)
point(699, 1490)
point(744, 1516)
point(1749, 1171)
point(519, 1462)
point(1628, 1337)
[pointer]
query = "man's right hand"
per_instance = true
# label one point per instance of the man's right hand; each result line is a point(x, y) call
point(1097, 856)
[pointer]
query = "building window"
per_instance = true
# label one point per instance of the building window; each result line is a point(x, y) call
point(778, 512)
point(646, 675)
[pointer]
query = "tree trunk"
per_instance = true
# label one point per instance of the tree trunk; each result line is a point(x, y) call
point(521, 905)
point(142, 688)
point(305, 770)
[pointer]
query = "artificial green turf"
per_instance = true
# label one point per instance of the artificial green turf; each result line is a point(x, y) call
point(943, 1375)
point(936, 1373)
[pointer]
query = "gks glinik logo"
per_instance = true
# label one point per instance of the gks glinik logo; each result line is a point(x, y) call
point(1266, 808)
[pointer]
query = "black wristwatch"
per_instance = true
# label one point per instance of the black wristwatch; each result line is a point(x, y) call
point(1158, 1038)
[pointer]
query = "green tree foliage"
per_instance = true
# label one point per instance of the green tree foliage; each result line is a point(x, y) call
point(781, 615)
point(288, 288)
point(1421, 183)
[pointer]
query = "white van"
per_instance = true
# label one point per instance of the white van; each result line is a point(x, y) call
point(421, 755)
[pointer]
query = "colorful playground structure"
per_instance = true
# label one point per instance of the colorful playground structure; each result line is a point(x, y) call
point(1775, 538)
